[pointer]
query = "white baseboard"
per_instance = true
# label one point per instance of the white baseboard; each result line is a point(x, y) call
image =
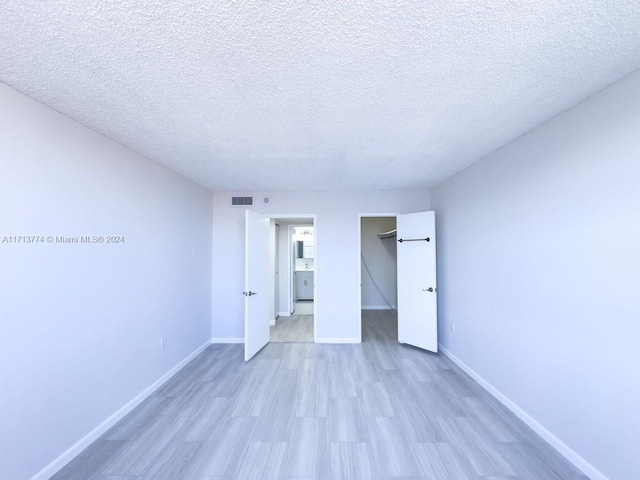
point(378, 307)
point(567, 452)
point(272, 322)
point(337, 340)
point(57, 465)
point(227, 340)
point(284, 314)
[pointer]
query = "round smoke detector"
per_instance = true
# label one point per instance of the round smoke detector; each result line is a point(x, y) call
point(267, 200)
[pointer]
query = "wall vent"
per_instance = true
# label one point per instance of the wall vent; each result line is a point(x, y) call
point(242, 201)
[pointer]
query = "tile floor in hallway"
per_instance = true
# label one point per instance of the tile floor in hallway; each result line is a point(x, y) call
point(301, 410)
point(303, 307)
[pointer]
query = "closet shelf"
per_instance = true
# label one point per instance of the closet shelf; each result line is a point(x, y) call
point(389, 234)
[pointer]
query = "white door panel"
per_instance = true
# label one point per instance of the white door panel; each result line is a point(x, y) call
point(257, 312)
point(417, 297)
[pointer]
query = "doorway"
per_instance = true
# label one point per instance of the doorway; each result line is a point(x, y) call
point(260, 274)
point(378, 277)
point(295, 273)
point(416, 308)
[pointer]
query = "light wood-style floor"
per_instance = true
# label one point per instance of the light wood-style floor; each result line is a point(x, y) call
point(295, 328)
point(302, 410)
point(303, 307)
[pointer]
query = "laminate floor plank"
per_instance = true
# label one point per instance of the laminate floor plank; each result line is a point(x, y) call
point(308, 454)
point(342, 383)
point(277, 427)
point(453, 384)
point(145, 449)
point(251, 399)
point(530, 462)
point(186, 377)
point(374, 410)
point(90, 463)
point(230, 444)
point(352, 461)
point(440, 461)
point(408, 414)
point(484, 458)
point(488, 421)
point(412, 370)
point(293, 355)
point(230, 383)
point(347, 422)
point(313, 397)
point(203, 424)
point(262, 460)
point(381, 356)
point(139, 419)
point(391, 450)
point(295, 328)
point(177, 460)
point(375, 400)
point(436, 401)
point(216, 369)
point(190, 401)
point(363, 369)
point(118, 477)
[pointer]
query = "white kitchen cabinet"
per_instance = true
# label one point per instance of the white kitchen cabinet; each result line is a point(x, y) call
point(304, 285)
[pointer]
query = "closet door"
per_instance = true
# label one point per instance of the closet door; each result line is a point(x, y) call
point(417, 297)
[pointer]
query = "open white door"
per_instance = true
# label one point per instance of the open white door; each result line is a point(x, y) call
point(257, 314)
point(417, 299)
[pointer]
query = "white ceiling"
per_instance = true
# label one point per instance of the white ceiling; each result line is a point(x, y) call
point(298, 95)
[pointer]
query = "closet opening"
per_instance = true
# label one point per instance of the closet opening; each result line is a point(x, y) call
point(378, 277)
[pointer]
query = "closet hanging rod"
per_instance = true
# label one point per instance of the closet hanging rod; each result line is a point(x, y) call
point(414, 239)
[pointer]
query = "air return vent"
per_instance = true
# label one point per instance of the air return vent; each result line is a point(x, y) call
point(242, 201)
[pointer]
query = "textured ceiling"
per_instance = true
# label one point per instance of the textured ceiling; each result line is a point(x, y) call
point(303, 95)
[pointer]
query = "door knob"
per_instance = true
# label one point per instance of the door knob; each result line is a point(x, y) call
point(430, 289)
point(248, 294)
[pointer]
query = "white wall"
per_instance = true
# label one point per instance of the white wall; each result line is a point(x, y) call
point(81, 323)
point(337, 263)
point(539, 268)
point(284, 266)
point(274, 250)
point(381, 258)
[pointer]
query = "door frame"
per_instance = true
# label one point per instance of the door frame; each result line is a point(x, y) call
point(359, 259)
point(276, 270)
point(314, 218)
